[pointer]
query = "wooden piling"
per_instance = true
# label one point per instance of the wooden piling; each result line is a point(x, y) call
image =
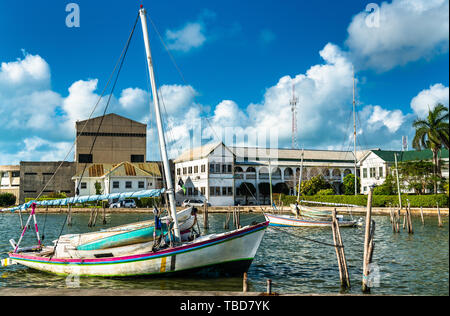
point(269, 287)
point(439, 215)
point(421, 215)
point(104, 213)
point(410, 226)
point(69, 216)
point(367, 241)
point(205, 216)
point(340, 254)
point(245, 283)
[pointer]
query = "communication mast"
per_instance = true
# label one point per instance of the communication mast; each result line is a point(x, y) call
point(294, 102)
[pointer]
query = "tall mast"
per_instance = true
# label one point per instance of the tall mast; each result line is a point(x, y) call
point(293, 103)
point(162, 141)
point(354, 131)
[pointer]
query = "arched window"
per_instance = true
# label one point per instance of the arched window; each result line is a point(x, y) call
point(347, 172)
point(276, 174)
point(288, 173)
point(336, 173)
point(264, 173)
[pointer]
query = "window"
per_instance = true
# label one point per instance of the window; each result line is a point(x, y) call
point(184, 170)
point(381, 172)
point(212, 191)
point(230, 191)
point(190, 170)
point(196, 169)
point(141, 185)
point(203, 168)
point(128, 185)
point(217, 168)
point(224, 191)
point(189, 191)
point(230, 167)
point(5, 175)
point(16, 174)
point(372, 172)
point(83, 185)
point(224, 168)
point(83, 158)
point(212, 168)
point(365, 173)
point(178, 171)
point(137, 158)
point(217, 191)
point(116, 185)
point(203, 191)
point(31, 174)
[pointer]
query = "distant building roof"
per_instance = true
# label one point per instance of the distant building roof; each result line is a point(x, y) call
point(413, 155)
point(274, 154)
point(124, 169)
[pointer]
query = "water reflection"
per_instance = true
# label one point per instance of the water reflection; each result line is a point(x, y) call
point(408, 264)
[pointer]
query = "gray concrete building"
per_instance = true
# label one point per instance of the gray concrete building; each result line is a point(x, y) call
point(37, 177)
point(10, 180)
point(119, 139)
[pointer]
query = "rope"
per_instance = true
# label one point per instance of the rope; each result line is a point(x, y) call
point(122, 58)
point(308, 239)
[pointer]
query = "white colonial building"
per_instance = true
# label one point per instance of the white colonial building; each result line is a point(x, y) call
point(377, 164)
point(215, 172)
point(117, 178)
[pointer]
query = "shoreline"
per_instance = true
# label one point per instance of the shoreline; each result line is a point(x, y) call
point(244, 209)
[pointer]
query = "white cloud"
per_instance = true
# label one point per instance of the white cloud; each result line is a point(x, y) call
point(408, 30)
point(391, 119)
point(427, 99)
point(192, 35)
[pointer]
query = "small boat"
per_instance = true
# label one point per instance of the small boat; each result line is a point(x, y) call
point(131, 250)
point(292, 221)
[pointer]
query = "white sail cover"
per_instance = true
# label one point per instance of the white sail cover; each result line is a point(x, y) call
point(88, 198)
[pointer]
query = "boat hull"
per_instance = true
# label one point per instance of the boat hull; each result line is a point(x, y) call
point(289, 221)
point(224, 254)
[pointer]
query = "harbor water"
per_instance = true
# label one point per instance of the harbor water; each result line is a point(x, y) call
point(297, 260)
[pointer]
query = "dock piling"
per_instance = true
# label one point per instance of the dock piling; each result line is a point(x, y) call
point(368, 243)
point(439, 215)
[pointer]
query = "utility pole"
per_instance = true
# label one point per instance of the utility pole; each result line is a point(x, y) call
point(354, 130)
point(293, 103)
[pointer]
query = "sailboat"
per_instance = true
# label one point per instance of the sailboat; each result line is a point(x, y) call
point(143, 249)
point(304, 216)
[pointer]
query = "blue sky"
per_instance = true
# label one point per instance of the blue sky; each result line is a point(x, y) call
point(240, 60)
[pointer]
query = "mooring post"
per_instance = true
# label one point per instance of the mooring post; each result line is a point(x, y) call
point(439, 215)
point(69, 217)
point(205, 216)
point(421, 215)
point(365, 287)
point(269, 287)
point(410, 225)
point(245, 283)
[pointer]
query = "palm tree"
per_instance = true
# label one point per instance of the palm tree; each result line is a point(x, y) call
point(432, 133)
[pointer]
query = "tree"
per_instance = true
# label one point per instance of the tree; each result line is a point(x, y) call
point(281, 188)
point(432, 133)
point(7, 199)
point(389, 186)
point(247, 189)
point(98, 188)
point(418, 175)
point(349, 184)
point(264, 190)
point(314, 185)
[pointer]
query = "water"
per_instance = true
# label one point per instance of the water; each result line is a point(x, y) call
point(415, 264)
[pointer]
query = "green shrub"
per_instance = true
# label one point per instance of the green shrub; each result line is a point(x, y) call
point(377, 201)
point(326, 192)
point(7, 199)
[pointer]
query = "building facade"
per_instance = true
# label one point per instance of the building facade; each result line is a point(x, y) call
point(216, 173)
point(10, 180)
point(117, 178)
point(118, 139)
point(377, 164)
point(45, 178)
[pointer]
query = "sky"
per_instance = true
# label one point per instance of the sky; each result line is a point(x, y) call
point(225, 71)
